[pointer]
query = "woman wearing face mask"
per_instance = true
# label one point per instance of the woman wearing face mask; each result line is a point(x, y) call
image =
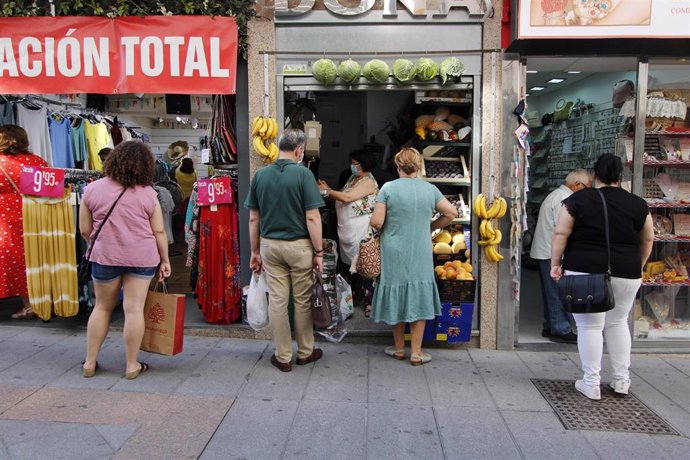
point(354, 205)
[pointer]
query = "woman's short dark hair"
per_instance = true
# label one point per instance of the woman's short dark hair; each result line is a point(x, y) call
point(130, 163)
point(608, 168)
point(187, 165)
point(13, 140)
point(365, 158)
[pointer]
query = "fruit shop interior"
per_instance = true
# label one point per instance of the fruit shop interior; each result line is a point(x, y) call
point(381, 122)
point(579, 108)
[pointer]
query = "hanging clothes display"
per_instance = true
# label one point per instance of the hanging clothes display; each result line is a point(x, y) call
point(218, 287)
point(78, 142)
point(35, 122)
point(51, 263)
point(60, 141)
point(165, 199)
point(97, 137)
point(12, 265)
point(6, 113)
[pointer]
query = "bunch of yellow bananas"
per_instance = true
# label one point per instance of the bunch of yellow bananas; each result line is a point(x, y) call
point(491, 236)
point(265, 129)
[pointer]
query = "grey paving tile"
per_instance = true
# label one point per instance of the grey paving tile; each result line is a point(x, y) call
point(252, 429)
point(682, 363)
point(664, 378)
point(340, 377)
point(166, 373)
point(402, 431)
point(625, 445)
point(7, 332)
point(471, 432)
point(46, 336)
point(396, 382)
point(541, 435)
point(454, 380)
point(180, 428)
point(225, 368)
point(14, 352)
point(545, 365)
point(4, 453)
point(52, 440)
point(335, 428)
point(675, 447)
point(517, 393)
point(500, 364)
point(267, 382)
point(117, 435)
point(44, 366)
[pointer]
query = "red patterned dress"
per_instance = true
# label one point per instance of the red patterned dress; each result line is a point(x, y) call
point(12, 265)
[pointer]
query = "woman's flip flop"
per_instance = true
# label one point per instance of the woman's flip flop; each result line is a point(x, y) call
point(134, 374)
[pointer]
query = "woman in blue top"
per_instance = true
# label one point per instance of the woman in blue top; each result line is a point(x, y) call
point(406, 291)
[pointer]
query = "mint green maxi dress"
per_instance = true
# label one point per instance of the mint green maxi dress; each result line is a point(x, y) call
point(406, 289)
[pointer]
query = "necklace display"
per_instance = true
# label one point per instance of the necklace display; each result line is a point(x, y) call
point(583, 12)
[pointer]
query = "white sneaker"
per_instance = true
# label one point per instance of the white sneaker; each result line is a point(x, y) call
point(620, 386)
point(591, 391)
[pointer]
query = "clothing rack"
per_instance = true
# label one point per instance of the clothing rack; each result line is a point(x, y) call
point(77, 176)
point(32, 97)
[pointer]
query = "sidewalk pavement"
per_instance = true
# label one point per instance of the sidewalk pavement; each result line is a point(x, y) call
point(221, 398)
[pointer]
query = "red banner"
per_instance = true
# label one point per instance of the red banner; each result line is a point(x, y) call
point(150, 54)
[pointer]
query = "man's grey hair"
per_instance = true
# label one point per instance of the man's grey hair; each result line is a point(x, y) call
point(291, 139)
point(578, 175)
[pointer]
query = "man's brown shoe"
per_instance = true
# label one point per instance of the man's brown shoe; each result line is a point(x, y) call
point(314, 356)
point(283, 367)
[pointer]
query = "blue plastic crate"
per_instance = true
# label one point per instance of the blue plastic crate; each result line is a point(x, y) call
point(455, 323)
point(429, 331)
point(455, 312)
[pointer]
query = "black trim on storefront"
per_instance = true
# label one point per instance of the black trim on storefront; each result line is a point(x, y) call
point(658, 47)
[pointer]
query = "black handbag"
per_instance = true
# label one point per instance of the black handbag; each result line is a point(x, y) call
point(320, 304)
point(589, 293)
point(84, 269)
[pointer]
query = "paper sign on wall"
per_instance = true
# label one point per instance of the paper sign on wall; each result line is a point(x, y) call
point(40, 181)
point(214, 191)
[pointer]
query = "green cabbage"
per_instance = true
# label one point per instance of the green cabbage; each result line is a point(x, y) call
point(427, 69)
point(349, 71)
point(404, 70)
point(376, 71)
point(324, 71)
point(451, 67)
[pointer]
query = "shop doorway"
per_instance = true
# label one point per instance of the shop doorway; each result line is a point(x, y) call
point(573, 117)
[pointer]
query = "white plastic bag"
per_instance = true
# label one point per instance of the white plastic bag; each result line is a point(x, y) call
point(257, 302)
point(344, 292)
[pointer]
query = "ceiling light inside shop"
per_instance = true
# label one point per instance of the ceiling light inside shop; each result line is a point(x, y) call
point(531, 71)
point(526, 94)
point(182, 120)
point(537, 88)
point(574, 71)
point(556, 80)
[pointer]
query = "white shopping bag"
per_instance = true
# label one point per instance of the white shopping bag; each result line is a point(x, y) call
point(257, 302)
point(345, 302)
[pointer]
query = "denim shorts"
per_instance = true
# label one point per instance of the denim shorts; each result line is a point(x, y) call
point(106, 273)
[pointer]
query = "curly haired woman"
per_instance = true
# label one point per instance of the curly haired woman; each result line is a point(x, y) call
point(128, 252)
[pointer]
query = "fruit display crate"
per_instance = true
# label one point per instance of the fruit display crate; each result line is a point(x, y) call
point(446, 171)
point(456, 290)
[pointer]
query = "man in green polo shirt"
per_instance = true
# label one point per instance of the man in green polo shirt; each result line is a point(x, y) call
point(285, 236)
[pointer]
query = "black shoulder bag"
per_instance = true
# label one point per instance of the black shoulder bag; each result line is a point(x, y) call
point(589, 293)
point(84, 273)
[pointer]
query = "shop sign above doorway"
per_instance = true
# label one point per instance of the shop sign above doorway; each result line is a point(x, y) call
point(431, 10)
point(578, 19)
point(149, 54)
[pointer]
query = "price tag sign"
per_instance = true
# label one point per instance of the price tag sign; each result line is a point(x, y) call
point(214, 191)
point(40, 181)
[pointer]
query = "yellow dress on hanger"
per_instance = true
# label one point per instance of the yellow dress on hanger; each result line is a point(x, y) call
point(97, 137)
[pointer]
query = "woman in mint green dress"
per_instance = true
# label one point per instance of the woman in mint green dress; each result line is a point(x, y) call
point(406, 291)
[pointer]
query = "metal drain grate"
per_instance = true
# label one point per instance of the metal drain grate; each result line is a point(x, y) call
point(612, 413)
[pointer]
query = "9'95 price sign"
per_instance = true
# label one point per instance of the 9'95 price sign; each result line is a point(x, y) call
point(40, 181)
point(214, 191)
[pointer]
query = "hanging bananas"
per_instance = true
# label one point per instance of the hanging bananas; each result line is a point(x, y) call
point(265, 129)
point(491, 236)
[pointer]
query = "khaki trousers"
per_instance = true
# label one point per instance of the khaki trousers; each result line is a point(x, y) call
point(289, 263)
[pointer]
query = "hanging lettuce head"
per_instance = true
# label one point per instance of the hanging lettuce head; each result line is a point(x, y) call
point(376, 71)
point(427, 69)
point(324, 71)
point(349, 71)
point(404, 70)
point(451, 68)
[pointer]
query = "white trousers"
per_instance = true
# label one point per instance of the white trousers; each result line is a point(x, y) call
point(614, 326)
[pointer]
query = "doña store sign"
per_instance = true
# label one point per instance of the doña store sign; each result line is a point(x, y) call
point(427, 8)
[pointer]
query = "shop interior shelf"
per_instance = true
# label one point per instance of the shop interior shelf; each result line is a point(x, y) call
point(666, 283)
point(668, 205)
point(461, 221)
point(446, 143)
point(465, 182)
point(656, 133)
point(446, 101)
point(672, 238)
point(668, 163)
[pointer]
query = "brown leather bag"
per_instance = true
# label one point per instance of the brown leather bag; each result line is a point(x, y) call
point(369, 259)
point(320, 304)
